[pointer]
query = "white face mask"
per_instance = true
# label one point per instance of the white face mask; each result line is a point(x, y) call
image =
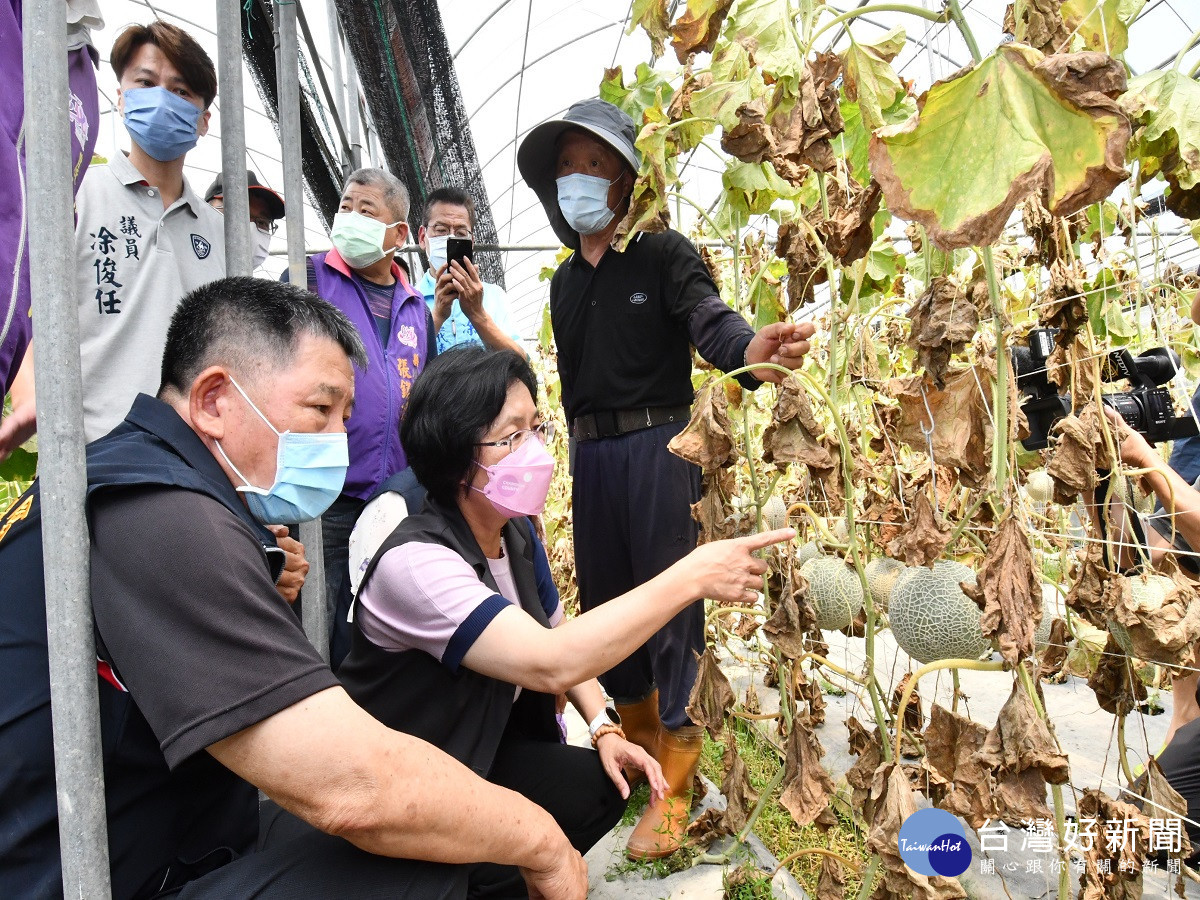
point(437, 251)
point(583, 200)
point(262, 247)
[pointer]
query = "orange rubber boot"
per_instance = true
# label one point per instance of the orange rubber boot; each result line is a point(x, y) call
point(640, 723)
point(664, 824)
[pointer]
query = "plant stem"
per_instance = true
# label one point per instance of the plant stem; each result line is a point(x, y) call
point(1122, 752)
point(808, 851)
point(911, 10)
point(956, 16)
point(1188, 44)
point(1000, 446)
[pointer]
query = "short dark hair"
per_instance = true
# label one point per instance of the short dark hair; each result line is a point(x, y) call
point(451, 196)
point(180, 49)
point(452, 404)
point(393, 191)
point(247, 324)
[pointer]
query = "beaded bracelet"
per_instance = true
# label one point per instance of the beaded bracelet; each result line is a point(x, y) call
point(607, 729)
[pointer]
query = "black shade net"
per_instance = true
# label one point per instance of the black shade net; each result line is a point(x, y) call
point(411, 90)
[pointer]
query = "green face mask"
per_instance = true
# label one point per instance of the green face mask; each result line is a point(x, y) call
point(359, 239)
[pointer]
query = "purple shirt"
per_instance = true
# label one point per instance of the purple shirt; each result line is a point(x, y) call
point(381, 390)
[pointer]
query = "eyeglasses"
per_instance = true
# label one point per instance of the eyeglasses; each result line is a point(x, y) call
point(266, 226)
point(544, 433)
point(460, 231)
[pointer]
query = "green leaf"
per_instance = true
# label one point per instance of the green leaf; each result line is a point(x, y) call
point(1105, 300)
point(648, 89)
point(21, 466)
point(765, 29)
point(1101, 221)
point(750, 189)
point(765, 300)
point(1101, 25)
point(653, 17)
point(547, 272)
point(853, 143)
point(546, 332)
point(1014, 125)
point(1165, 105)
point(648, 203)
point(869, 78)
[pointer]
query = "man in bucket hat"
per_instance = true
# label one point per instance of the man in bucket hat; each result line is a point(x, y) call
point(624, 324)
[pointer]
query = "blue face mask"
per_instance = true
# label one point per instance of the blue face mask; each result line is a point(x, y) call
point(583, 200)
point(310, 470)
point(163, 124)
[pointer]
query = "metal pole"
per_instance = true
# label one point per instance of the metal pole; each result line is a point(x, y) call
point(315, 613)
point(339, 81)
point(352, 96)
point(238, 250)
point(74, 703)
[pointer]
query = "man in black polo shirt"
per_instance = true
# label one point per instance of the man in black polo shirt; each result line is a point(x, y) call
point(208, 689)
point(624, 324)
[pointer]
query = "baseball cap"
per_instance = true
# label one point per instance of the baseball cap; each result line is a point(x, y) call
point(538, 153)
point(274, 202)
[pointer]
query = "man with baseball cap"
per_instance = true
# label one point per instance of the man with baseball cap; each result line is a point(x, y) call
point(266, 209)
point(624, 324)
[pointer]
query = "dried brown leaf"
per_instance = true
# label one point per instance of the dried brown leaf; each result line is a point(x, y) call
point(831, 884)
point(1072, 458)
point(962, 431)
point(1117, 687)
point(1120, 878)
point(796, 244)
point(1090, 577)
point(959, 783)
point(922, 541)
point(1038, 23)
point(740, 797)
point(792, 619)
point(794, 435)
point(847, 233)
point(807, 787)
point(1054, 655)
point(749, 140)
point(1020, 740)
point(713, 511)
point(803, 119)
point(711, 695)
point(1009, 591)
point(944, 321)
point(1165, 633)
point(697, 30)
point(706, 440)
point(894, 804)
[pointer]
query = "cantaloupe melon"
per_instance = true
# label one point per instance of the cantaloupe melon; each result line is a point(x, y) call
point(808, 551)
point(881, 578)
point(1040, 486)
point(774, 513)
point(932, 618)
point(1148, 591)
point(834, 590)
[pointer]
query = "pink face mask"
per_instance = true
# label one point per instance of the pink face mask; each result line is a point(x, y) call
point(519, 483)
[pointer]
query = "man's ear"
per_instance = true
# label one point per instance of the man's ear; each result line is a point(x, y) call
point(202, 125)
point(422, 235)
point(208, 402)
point(401, 235)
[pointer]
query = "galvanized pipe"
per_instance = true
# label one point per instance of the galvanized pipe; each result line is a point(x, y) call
point(239, 250)
point(316, 616)
point(74, 704)
point(356, 145)
point(339, 81)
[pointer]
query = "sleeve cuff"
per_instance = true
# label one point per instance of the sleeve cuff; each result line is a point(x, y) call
point(469, 631)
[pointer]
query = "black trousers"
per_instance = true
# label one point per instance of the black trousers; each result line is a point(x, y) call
point(296, 860)
point(1180, 762)
point(631, 501)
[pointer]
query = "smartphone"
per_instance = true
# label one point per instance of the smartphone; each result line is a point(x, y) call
point(459, 249)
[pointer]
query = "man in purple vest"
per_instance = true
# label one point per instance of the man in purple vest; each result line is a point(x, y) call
point(361, 278)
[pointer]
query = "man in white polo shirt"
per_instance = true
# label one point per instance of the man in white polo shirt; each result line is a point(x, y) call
point(143, 238)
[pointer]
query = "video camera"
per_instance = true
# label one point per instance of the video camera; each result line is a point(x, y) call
point(1146, 407)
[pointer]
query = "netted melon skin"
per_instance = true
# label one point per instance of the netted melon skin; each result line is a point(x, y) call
point(881, 578)
point(1052, 608)
point(834, 591)
point(930, 616)
point(774, 513)
point(1149, 589)
point(807, 551)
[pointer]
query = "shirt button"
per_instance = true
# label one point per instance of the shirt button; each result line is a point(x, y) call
point(593, 303)
point(150, 193)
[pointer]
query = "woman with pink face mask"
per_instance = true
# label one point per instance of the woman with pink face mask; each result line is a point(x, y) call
point(457, 640)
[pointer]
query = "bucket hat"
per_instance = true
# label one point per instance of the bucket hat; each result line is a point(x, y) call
point(275, 206)
point(538, 152)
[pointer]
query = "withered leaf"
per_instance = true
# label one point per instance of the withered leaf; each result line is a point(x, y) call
point(1090, 577)
point(1038, 23)
point(1165, 803)
point(711, 695)
point(697, 30)
point(944, 320)
point(894, 805)
point(1009, 591)
point(922, 541)
point(1020, 740)
point(1165, 633)
point(1117, 687)
point(794, 436)
point(1072, 458)
point(807, 787)
point(869, 750)
point(706, 440)
point(831, 885)
point(914, 718)
point(749, 140)
point(959, 783)
point(713, 511)
point(1121, 877)
point(740, 797)
point(1054, 655)
point(706, 828)
point(796, 244)
point(804, 118)
point(789, 623)
point(848, 232)
point(809, 691)
point(962, 431)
